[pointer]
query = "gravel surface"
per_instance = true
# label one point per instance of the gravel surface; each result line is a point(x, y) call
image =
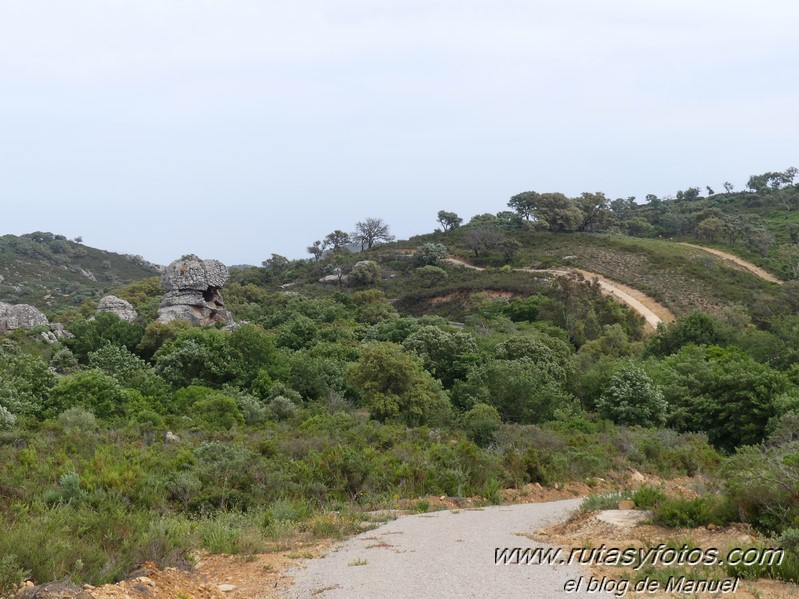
point(441, 555)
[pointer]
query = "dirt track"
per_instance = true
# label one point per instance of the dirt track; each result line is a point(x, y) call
point(766, 276)
point(653, 312)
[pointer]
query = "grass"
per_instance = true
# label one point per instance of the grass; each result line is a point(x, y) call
point(358, 562)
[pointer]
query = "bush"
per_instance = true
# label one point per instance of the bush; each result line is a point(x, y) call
point(690, 513)
point(481, 424)
point(605, 501)
point(11, 574)
point(218, 411)
point(25, 384)
point(395, 385)
point(430, 254)
point(105, 329)
point(93, 390)
point(282, 408)
point(365, 272)
point(7, 419)
point(632, 398)
point(430, 276)
point(647, 497)
point(77, 420)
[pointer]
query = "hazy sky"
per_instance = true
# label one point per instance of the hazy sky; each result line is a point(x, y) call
point(238, 128)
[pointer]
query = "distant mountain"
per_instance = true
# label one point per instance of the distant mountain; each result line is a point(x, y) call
point(49, 271)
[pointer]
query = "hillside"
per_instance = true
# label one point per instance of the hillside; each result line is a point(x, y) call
point(474, 364)
point(50, 271)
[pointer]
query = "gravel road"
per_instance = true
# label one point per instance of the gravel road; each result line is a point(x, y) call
point(441, 555)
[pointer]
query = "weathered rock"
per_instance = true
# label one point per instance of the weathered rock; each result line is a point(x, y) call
point(193, 292)
point(52, 590)
point(20, 316)
point(171, 437)
point(59, 331)
point(116, 305)
point(190, 272)
point(334, 279)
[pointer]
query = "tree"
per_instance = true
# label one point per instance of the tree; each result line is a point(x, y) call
point(91, 335)
point(710, 228)
point(394, 385)
point(728, 187)
point(449, 220)
point(94, 390)
point(276, 266)
point(482, 240)
point(723, 392)
point(430, 254)
point(518, 389)
point(595, 210)
point(365, 272)
point(524, 204)
point(689, 195)
point(789, 253)
point(509, 248)
point(337, 240)
point(632, 398)
point(447, 356)
point(316, 249)
point(371, 231)
point(697, 328)
point(558, 212)
point(762, 239)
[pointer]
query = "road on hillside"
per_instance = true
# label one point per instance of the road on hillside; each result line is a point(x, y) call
point(440, 555)
point(756, 270)
point(653, 312)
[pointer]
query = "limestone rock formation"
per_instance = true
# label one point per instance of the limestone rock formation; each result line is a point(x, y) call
point(193, 291)
point(23, 316)
point(20, 316)
point(115, 305)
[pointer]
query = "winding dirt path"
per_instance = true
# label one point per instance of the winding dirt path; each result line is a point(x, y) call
point(443, 554)
point(653, 312)
point(756, 270)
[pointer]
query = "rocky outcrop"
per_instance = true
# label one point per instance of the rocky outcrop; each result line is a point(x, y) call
point(20, 316)
point(116, 305)
point(57, 332)
point(193, 291)
point(23, 316)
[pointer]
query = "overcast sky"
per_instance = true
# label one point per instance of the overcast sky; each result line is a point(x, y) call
point(238, 128)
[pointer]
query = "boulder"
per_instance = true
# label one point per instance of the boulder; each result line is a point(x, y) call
point(190, 272)
point(116, 305)
point(193, 292)
point(20, 316)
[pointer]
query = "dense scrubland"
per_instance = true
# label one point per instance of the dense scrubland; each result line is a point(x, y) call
point(406, 376)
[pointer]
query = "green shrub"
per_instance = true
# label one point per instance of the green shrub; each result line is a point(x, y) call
point(430, 276)
point(605, 501)
point(690, 513)
point(632, 398)
point(648, 497)
point(281, 408)
point(77, 420)
point(93, 390)
point(7, 419)
point(11, 574)
point(481, 424)
point(218, 412)
point(785, 569)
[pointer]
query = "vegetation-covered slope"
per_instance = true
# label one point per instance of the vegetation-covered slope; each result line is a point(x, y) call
point(50, 271)
point(361, 381)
